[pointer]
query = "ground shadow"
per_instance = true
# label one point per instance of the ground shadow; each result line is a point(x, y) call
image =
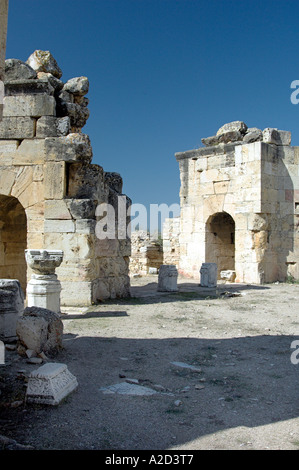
point(244, 381)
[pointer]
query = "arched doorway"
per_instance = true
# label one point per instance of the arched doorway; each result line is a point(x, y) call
point(220, 241)
point(13, 240)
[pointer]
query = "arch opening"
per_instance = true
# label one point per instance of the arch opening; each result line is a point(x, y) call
point(13, 240)
point(220, 241)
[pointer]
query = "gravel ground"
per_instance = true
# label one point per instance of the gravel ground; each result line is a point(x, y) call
point(240, 394)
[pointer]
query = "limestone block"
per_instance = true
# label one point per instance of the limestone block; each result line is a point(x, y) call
point(32, 333)
point(57, 209)
point(16, 69)
point(55, 180)
point(28, 87)
point(59, 226)
point(46, 127)
point(30, 152)
point(76, 246)
point(8, 149)
point(253, 134)
point(51, 126)
point(235, 126)
point(24, 179)
point(77, 86)
point(50, 384)
point(71, 148)
point(167, 280)
point(208, 275)
point(81, 208)
point(85, 225)
point(277, 137)
point(17, 128)
point(40, 330)
point(7, 179)
point(11, 307)
point(56, 83)
point(228, 275)
point(29, 105)
point(43, 61)
point(77, 294)
point(33, 193)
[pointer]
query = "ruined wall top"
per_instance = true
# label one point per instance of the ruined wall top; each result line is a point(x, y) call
point(237, 133)
point(40, 75)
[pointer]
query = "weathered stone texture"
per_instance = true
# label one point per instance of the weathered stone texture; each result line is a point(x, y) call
point(50, 190)
point(240, 204)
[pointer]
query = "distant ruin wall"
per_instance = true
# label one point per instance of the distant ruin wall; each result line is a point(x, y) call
point(146, 253)
point(49, 188)
point(171, 241)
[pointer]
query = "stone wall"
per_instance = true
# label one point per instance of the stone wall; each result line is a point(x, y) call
point(3, 30)
point(171, 242)
point(49, 184)
point(240, 204)
point(146, 253)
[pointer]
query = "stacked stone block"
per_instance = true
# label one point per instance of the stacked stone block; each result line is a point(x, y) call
point(46, 167)
point(146, 253)
point(250, 177)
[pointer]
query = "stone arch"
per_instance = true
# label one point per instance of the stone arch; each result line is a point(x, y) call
point(13, 240)
point(220, 241)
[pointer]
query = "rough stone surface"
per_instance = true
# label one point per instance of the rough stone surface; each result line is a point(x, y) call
point(235, 126)
point(15, 69)
point(208, 275)
point(239, 205)
point(11, 307)
point(167, 279)
point(77, 86)
point(43, 61)
point(50, 190)
point(40, 330)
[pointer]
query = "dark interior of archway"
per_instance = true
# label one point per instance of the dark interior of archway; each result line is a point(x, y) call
point(13, 240)
point(220, 241)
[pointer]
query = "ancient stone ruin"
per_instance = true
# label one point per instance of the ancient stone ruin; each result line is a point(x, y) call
point(146, 254)
point(239, 202)
point(49, 187)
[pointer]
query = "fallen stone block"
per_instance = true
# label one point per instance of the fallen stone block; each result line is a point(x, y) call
point(50, 384)
point(39, 330)
point(228, 275)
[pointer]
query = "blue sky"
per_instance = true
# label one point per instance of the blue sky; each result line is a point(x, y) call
point(165, 73)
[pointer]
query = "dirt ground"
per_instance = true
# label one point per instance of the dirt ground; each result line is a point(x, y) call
point(241, 394)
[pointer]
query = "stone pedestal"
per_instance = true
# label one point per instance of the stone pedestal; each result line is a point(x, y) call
point(43, 289)
point(50, 383)
point(167, 280)
point(11, 307)
point(208, 275)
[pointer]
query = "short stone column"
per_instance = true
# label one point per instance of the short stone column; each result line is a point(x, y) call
point(167, 279)
point(208, 275)
point(11, 307)
point(43, 289)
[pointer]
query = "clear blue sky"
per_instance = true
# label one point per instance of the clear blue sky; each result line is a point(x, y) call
point(165, 73)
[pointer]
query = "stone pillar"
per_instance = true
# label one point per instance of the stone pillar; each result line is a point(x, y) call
point(167, 280)
point(208, 275)
point(3, 32)
point(11, 307)
point(43, 289)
